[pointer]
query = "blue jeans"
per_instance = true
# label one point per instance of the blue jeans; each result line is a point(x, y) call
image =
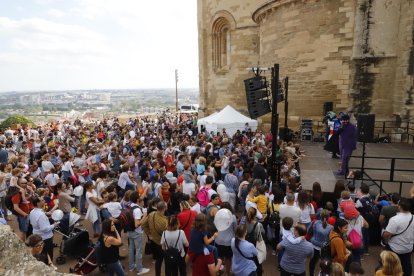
point(129, 186)
point(135, 250)
point(23, 223)
point(65, 175)
point(115, 268)
point(97, 224)
point(82, 200)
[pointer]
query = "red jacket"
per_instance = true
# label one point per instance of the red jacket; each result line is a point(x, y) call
point(186, 219)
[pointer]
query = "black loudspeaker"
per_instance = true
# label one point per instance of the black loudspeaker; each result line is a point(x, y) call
point(285, 134)
point(327, 106)
point(366, 126)
point(257, 96)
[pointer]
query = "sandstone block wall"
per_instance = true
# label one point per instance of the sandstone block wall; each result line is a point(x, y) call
point(355, 53)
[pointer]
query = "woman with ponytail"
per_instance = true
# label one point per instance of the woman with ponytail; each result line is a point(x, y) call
point(320, 234)
point(244, 254)
point(255, 232)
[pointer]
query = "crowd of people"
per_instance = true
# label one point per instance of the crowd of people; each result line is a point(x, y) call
point(173, 181)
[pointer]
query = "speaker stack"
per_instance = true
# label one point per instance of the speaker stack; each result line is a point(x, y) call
point(257, 96)
point(366, 126)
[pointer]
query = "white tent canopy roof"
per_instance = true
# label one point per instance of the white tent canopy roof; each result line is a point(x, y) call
point(227, 118)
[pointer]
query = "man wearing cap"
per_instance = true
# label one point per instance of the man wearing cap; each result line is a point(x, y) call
point(347, 142)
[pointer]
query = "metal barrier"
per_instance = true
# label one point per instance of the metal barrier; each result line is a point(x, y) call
point(384, 129)
point(393, 128)
point(392, 170)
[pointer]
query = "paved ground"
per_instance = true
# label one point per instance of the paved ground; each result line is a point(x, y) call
point(316, 166)
point(319, 166)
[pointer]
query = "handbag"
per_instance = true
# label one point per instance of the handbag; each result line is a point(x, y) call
point(148, 247)
point(261, 249)
point(355, 238)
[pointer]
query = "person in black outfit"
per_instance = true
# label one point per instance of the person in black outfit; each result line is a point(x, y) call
point(109, 250)
point(259, 171)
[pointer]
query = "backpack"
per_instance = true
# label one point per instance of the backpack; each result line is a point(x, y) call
point(203, 197)
point(205, 210)
point(126, 218)
point(13, 190)
point(172, 255)
point(325, 252)
point(355, 238)
point(251, 236)
point(369, 210)
point(274, 218)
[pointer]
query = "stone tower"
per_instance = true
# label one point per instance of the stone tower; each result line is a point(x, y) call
point(358, 54)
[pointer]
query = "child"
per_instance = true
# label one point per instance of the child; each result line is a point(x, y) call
point(347, 206)
point(14, 182)
point(287, 233)
point(199, 241)
point(113, 207)
point(351, 188)
point(332, 218)
point(260, 200)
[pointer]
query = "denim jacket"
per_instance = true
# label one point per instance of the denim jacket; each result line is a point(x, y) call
point(320, 234)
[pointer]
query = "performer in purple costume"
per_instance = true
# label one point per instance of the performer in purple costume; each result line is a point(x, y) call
point(347, 142)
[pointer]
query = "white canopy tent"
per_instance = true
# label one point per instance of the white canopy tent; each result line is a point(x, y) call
point(227, 118)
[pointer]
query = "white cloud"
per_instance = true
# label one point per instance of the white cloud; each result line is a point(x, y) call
point(100, 44)
point(41, 35)
point(55, 13)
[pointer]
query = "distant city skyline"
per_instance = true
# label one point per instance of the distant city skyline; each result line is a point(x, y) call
point(56, 45)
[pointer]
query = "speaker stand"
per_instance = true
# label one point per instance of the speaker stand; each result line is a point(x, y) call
point(363, 161)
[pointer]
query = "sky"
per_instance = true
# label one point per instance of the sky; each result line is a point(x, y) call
point(97, 44)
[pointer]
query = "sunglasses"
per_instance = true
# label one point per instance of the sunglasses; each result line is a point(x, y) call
point(39, 244)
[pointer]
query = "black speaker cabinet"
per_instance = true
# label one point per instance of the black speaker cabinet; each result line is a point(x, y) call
point(366, 125)
point(327, 106)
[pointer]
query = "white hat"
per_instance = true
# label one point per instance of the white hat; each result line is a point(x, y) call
point(171, 178)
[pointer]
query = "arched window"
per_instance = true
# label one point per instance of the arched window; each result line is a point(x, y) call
point(221, 43)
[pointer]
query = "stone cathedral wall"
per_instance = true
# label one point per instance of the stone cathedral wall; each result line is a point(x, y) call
point(358, 54)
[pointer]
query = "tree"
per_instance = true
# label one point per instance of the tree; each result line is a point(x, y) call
point(14, 120)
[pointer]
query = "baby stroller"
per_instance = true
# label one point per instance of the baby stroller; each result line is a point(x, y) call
point(76, 243)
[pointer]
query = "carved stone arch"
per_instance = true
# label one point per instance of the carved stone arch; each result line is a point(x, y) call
point(226, 15)
point(221, 27)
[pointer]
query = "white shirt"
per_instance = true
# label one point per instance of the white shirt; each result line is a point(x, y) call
point(41, 224)
point(402, 243)
point(138, 214)
point(356, 224)
point(289, 211)
point(171, 238)
point(68, 167)
point(196, 208)
point(89, 195)
point(114, 208)
point(249, 205)
point(188, 188)
point(51, 179)
point(100, 186)
point(202, 180)
point(305, 216)
point(47, 165)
